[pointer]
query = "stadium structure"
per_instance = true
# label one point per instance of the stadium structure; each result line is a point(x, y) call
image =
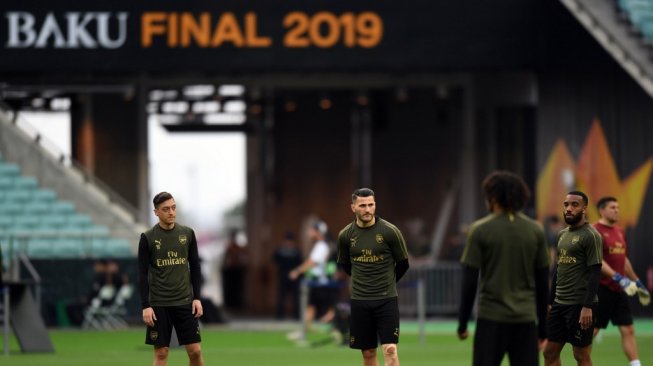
point(418, 99)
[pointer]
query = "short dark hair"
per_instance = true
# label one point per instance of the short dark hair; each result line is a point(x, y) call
point(361, 192)
point(583, 195)
point(506, 189)
point(160, 198)
point(604, 201)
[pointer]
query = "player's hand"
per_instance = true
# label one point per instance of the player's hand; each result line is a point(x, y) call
point(541, 343)
point(198, 311)
point(149, 317)
point(463, 333)
point(585, 320)
point(293, 275)
point(643, 294)
point(629, 287)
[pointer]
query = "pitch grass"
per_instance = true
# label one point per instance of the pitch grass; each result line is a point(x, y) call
point(224, 346)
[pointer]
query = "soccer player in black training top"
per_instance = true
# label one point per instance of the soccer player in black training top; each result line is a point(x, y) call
point(170, 278)
point(575, 284)
point(373, 252)
point(510, 251)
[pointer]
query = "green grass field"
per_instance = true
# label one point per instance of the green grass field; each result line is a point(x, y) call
point(225, 346)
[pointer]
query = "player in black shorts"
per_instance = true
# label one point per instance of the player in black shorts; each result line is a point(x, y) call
point(509, 251)
point(575, 282)
point(373, 252)
point(618, 280)
point(169, 278)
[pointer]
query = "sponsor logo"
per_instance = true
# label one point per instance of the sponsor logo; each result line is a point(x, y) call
point(157, 243)
point(353, 241)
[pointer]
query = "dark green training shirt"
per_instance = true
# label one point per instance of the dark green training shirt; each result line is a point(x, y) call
point(507, 248)
point(372, 253)
point(169, 266)
point(578, 249)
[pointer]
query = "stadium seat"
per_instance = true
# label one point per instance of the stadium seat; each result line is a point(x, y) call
point(63, 207)
point(68, 248)
point(78, 221)
point(53, 222)
point(26, 183)
point(12, 208)
point(44, 195)
point(96, 230)
point(6, 222)
point(6, 183)
point(27, 222)
point(40, 248)
point(9, 170)
point(108, 317)
point(18, 195)
point(37, 208)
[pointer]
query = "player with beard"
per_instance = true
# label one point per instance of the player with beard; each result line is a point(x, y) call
point(373, 252)
point(575, 283)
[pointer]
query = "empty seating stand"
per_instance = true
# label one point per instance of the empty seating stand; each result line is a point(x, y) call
point(640, 14)
point(35, 221)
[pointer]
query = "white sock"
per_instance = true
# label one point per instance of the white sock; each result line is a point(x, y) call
point(635, 363)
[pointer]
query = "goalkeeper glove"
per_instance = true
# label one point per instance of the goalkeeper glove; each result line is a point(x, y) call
point(629, 287)
point(642, 292)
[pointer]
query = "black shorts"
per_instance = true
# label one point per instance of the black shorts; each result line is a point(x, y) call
point(323, 298)
point(563, 326)
point(181, 318)
point(492, 340)
point(614, 307)
point(373, 321)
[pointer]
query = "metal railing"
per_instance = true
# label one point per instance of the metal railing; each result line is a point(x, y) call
point(426, 290)
point(441, 283)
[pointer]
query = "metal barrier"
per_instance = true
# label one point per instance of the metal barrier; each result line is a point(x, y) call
point(426, 290)
point(441, 286)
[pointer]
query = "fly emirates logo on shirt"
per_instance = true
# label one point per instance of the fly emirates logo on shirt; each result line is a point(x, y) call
point(172, 260)
point(564, 258)
point(367, 256)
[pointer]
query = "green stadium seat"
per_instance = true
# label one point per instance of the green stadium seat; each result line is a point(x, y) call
point(68, 248)
point(6, 182)
point(37, 208)
point(12, 208)
point(111, 248)
point(27, 222)
point(26, 183)
point(120, 248)
point(63, 207)
point(9, 170)
point(6, 222)
point(40, 248)
point(44, 195)
point(78, 221)
point(96, 230)
point(18, 195)
point(53, 222)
